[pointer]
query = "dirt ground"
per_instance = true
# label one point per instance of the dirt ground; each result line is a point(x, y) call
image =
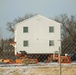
point(38, 70)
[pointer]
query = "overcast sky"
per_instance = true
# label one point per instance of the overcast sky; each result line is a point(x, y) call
point(11, 9)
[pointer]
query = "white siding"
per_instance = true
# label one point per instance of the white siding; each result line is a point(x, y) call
point(38, 35)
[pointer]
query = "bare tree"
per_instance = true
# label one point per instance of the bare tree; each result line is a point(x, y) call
point(0, 33)
point(68, 32)
point(10, 25)
point(0, 37)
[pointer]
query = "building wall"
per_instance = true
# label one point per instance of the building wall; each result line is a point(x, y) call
point(38, 35)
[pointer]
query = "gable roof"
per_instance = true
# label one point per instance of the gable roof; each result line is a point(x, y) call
point(37, 16)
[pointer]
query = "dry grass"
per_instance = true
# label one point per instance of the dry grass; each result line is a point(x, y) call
point(41, 70)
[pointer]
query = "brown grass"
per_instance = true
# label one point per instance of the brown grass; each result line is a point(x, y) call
point(41, 70)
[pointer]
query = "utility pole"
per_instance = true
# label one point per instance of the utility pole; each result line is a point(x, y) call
point(60, 73)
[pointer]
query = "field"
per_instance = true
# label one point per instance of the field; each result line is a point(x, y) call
point(39, 69)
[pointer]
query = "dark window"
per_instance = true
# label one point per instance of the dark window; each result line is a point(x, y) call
point(25, 29)
point(51, 29)
point(51, 43)
point(25, 43)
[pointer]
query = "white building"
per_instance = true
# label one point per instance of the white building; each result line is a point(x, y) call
point(37, 35)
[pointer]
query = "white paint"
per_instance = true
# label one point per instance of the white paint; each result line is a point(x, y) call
point(38, 35)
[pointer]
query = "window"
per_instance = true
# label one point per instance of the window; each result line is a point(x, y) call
point(25, 43)
point(51, 29)
point(25, 29)
point(51, 43)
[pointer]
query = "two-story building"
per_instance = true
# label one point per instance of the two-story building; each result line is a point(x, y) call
point(37, 35)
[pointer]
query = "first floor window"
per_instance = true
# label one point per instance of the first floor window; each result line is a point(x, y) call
point(51, 43)
point(25, 43)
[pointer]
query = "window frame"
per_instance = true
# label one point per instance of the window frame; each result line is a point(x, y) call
point(51, 42)
point(25, 29)
point(51, 29)
point(25, 43)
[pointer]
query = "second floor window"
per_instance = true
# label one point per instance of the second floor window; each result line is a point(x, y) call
point(25, 29)
point(51, 29)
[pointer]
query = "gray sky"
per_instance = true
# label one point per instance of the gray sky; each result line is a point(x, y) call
point(11, 9)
